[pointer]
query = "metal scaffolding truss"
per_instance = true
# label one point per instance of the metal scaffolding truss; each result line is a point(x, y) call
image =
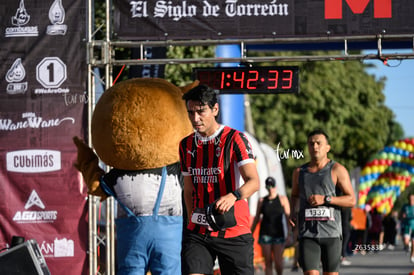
point(107, 50)
point(101, 54)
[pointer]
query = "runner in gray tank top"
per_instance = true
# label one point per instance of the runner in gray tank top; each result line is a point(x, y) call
point(323, 221)
point(316, 208)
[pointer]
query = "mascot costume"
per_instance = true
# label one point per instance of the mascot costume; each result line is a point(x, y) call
point(136, 128)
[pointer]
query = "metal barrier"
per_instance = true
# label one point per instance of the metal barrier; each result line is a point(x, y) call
point(97, 239)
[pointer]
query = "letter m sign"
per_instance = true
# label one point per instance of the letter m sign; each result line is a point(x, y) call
point(333, 8)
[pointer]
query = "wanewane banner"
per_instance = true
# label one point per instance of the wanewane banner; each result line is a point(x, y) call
point(248, 19)
point(43, 104)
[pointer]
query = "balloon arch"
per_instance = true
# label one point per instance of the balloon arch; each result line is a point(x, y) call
point(385, 177)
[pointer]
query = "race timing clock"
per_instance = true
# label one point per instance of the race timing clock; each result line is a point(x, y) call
point(252, 80)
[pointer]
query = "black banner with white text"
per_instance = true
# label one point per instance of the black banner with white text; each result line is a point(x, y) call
point(248, 19)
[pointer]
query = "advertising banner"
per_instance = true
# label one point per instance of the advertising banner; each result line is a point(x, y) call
point(249, 19)
point(43, 104)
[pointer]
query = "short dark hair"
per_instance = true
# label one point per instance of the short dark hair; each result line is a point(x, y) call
point(202, 93)
point(319, 131)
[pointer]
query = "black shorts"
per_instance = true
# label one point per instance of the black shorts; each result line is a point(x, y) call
point(316, 250)
point(235, 255)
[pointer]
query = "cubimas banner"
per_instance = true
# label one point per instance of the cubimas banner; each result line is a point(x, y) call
point(43, 104)
point(249, 19)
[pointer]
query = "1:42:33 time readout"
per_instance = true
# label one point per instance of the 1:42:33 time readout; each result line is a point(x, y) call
point(255, 80)
point(252, 79)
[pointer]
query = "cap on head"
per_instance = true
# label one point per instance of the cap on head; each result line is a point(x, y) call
point(270, 182)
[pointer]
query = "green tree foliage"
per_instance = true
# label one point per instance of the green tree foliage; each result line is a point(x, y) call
point(181, 74)
point(339, 97)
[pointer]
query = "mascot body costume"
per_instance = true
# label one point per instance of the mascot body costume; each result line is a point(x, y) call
point(136, 128)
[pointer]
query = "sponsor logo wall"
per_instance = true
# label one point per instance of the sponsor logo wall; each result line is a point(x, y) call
point(43, 104)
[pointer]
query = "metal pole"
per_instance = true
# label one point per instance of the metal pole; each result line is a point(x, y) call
point(89, 56)
point(93, 264)
point(110, 237)
point(108, 48)
point(248, 115)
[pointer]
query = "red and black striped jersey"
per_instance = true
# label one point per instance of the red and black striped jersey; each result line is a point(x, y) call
point(212, 162)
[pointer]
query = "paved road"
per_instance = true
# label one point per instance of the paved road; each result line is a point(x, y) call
point(385, 262)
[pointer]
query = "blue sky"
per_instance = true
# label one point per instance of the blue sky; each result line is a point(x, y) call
point(399, 90)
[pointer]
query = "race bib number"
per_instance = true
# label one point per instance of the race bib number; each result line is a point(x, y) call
point(319, 214)
point(199, 217)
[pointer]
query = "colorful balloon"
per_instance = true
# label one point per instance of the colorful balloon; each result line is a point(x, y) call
point(385, 177)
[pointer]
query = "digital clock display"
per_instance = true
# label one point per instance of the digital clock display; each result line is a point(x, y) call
point(265, 80)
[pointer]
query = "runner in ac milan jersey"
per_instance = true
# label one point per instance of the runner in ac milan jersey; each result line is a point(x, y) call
point(213, 159)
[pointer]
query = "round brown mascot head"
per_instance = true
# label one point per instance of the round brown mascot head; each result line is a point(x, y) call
point(138, 123)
